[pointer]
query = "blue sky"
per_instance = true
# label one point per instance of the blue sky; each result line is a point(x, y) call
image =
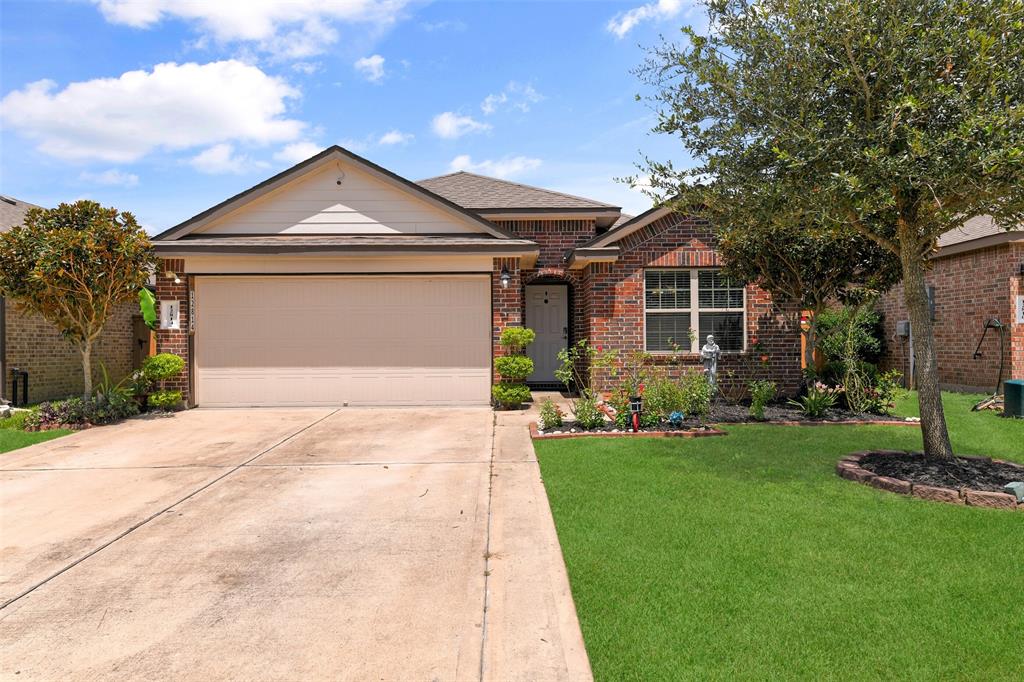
point(166, 107)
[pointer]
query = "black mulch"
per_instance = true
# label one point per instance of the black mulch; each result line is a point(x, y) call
point(976, 474)
point(734, 414)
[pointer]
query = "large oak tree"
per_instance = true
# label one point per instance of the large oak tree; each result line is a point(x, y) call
point(891, 120)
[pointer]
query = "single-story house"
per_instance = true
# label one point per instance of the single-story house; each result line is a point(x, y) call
point(338, 282)
point(976, 275)
point(28, 343)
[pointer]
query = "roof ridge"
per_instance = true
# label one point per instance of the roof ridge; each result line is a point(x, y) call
point(524, 186)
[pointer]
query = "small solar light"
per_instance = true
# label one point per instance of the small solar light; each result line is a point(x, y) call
point(1016, 488)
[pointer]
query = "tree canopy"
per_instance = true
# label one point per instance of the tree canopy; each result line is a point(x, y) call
point(889, 120)
point(72, 265)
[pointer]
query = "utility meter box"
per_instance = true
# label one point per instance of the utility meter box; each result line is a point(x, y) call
point(903, 328)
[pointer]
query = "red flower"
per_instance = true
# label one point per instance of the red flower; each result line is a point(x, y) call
point(753, 340)
point(600, 348)
point(640, 389)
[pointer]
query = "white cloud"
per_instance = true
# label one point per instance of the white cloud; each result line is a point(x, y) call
point(371, 68)
point(221, 159)
point(298, 151)
point(507, 167)
point(174, 106)
point(395, 137)
point(455, 25)
point(624, 22)
point(516, 95)
point(450, 125)
point(112, 177)
point(295, 29)
point(306, 68)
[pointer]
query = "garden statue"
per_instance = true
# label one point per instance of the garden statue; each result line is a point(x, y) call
point(709, 355)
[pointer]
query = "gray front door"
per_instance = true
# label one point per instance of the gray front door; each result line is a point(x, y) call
point(547, 314)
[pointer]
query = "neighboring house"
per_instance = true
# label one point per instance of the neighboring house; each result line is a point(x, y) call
point(337, 282)
point(31, 344)
point(976, 275)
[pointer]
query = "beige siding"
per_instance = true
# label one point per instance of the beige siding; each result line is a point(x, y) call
point(316, 204)
point(412, 340)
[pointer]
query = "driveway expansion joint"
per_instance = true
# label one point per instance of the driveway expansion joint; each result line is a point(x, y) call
point(159, 513)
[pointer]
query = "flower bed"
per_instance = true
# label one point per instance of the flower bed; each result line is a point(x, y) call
point(973, 481)
point(792, 416)
point(571, 430)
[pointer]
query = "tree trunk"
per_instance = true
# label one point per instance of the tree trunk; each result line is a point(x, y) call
point(86, 350)
point(811, 342)
point(933, 419)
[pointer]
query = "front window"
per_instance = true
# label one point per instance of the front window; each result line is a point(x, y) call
point(706, 301)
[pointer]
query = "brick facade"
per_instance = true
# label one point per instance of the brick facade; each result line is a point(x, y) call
point(175, 340)
point(607, 299)
point(53, 364)
point(970, 288)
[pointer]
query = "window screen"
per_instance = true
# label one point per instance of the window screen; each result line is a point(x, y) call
point(680, 300)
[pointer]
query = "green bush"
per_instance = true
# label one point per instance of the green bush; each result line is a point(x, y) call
point(550, 414)
point(513, 367)
point(696, 394)
point(510, 395)
point(162, 366)
point(16, 422)
point(79, 412)
point(587, 415)
point(761, 393)
point(849, 334)
point(818, 400)
point(516, 339)
point(164, 400)
point(662, 397)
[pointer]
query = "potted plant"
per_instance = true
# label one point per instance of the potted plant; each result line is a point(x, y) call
point(513, 367)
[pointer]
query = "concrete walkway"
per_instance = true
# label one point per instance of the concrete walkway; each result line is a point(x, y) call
point(285, 544)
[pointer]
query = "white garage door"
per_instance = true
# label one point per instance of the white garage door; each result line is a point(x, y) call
point(342, 340)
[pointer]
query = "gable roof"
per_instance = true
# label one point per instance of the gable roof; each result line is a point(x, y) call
point(626, 227)
point(12, 212)
point(332, 153)
point(490, 195)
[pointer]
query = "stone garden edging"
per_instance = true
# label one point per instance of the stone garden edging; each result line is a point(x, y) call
point(535, 434)
point(849, 468)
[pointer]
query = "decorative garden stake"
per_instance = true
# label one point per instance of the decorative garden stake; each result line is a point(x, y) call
point(636, 404)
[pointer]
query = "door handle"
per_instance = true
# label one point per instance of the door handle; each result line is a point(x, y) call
point(565, 333)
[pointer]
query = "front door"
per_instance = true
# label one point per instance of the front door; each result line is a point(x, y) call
point(547, 314)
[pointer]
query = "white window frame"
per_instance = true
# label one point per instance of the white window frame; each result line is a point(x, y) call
point(694, 310)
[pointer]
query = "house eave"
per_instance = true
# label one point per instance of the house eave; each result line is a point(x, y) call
point(980, 243)
point(581, 258)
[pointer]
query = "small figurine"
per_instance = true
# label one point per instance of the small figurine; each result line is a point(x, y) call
point(709, 355)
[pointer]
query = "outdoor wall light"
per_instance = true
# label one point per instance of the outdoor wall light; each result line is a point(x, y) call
point(505, 278)
point(171, 275)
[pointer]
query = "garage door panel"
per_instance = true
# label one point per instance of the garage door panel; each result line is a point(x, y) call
point(338, 340)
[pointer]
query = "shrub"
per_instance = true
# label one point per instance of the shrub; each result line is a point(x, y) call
point(572, 359)
point(848, 335)
point(16, 421)
point(818, 400)
point(550, 414)
point(164, 400)
point(873, 392)
point(696, 394)
point(619, 401)
point(162, 366)
point(515, 339)
point(587, 415)
point(761, 393)
point(510, 396)
point(79, 412)
point(662, 397)
point(513, 367)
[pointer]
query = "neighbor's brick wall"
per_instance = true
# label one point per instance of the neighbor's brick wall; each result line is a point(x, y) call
point(970, 288)
point(615, 309)
point(175, 340)
point(1017, 330)
point(55, 365)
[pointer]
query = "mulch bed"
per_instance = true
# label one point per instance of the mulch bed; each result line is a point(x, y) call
point(740, 414)
point(973, 481)
point(978, 473)
point(571, 430)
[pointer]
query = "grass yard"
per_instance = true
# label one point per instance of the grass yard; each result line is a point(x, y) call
point(747, 557)
point(13, 437)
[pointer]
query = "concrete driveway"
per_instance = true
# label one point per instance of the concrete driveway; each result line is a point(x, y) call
point(282, 544)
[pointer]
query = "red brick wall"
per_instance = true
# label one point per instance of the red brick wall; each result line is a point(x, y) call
point(615, 303)
point(55, 365)
point(175, 340)
point(970, 288)
point(506, 303)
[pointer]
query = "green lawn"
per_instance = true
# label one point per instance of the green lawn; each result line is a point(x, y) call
point(12, 436)
point(747, 557)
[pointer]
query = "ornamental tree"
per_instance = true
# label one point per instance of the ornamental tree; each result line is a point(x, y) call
point(73, 265)
point(891, 121)
point(809, 267)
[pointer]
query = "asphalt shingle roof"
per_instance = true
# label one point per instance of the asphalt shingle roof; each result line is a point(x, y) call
point(12, 212)
point(481, 193)
point(353, 242)
point(975, 228)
